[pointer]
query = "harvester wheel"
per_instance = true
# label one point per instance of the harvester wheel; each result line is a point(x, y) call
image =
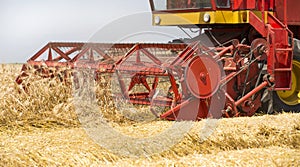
point(289, 100)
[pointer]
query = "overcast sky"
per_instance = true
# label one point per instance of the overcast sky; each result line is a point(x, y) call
point(27, 25)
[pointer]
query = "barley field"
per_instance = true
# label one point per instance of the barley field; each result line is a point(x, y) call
point(41, 126)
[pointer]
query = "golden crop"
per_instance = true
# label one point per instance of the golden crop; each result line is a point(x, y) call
point(40, 127)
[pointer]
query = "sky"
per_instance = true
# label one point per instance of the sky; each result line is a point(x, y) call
point(28, 25)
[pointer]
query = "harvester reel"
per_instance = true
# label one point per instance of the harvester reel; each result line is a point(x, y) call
point(169, 81)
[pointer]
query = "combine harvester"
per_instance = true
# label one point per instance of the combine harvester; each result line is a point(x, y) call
point(254, 60)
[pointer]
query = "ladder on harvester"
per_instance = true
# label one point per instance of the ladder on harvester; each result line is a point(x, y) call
point(280, 57)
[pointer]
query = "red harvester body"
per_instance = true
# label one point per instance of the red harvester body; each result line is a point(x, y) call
point(251, 61)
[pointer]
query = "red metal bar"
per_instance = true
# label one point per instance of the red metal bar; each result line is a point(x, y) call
point(143, 70)
point(79, 55)
point(271, 5)
point(58, 58)
point(174, 87)
point(151, 56)
point(213, 5)
point(257, 24)
point(227, 78)
point(248, 95)
point(50, 55)
point(62, 54)
point(128, 54)
point(271, 56)
point(74, 49)
point(224, 51)
point(263, 11)
point(155, 83)
point(122, 85)
point(91, 55)
point(39, 53)
point(175, 109)
point(67, 44)
point(285, 13)
point(189, 50)
point(104, 55)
